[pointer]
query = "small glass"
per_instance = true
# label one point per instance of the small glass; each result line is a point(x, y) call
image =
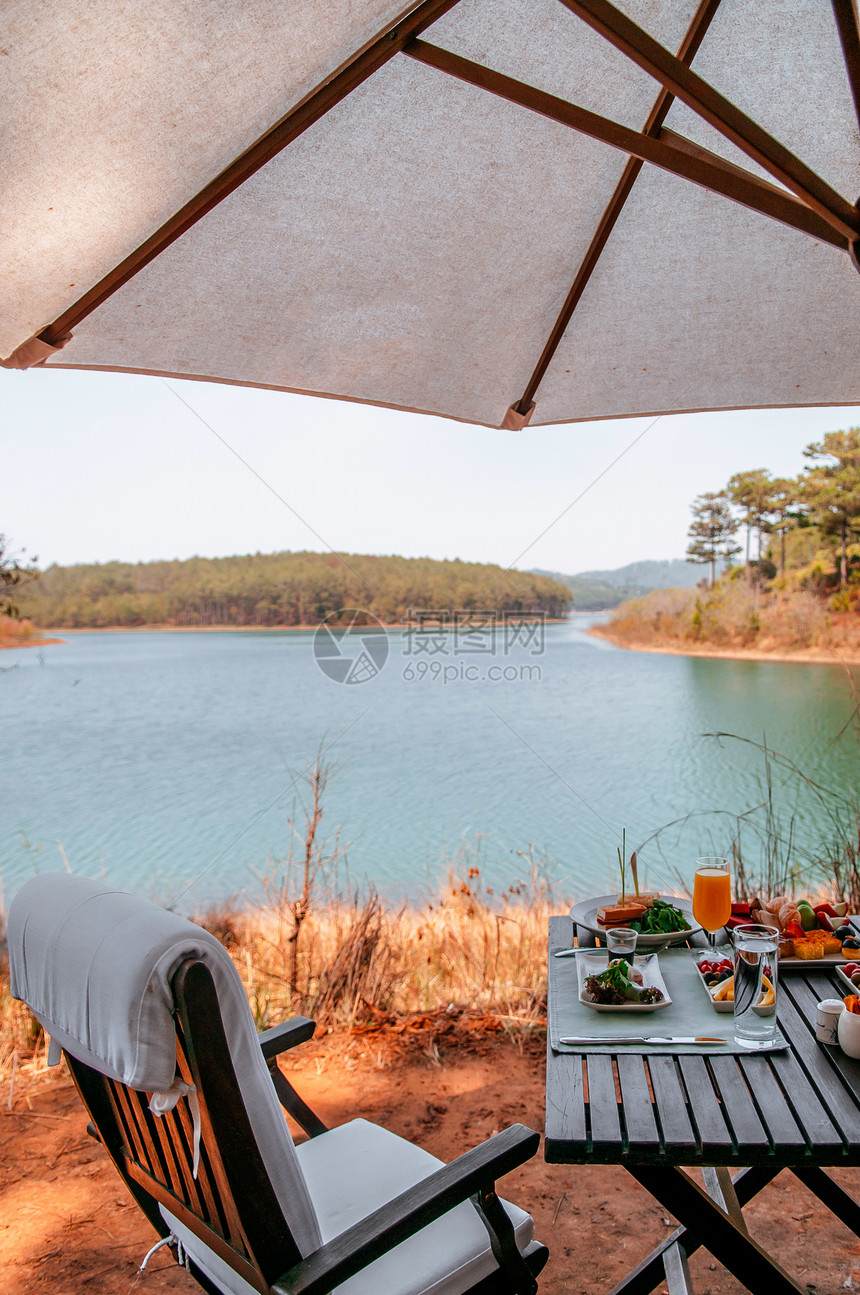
point(621, 943)
point(756, 953)
point(712, 896)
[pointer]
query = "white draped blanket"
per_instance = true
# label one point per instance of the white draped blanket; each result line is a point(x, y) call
point(95, 966)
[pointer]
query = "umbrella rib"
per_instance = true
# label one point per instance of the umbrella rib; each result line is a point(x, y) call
point(719, 112)
point(848, 23)
point(689, 48)
point(372, 56)
point(667, 150)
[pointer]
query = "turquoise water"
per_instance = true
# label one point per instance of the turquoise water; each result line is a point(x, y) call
point(158, 759)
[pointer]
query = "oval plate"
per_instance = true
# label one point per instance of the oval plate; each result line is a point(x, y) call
point(585, 914)
point(649, 966)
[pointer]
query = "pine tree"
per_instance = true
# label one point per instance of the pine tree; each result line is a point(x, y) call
point(781, 507)
point(831, 491)
point(750, 492)
point(712, 531)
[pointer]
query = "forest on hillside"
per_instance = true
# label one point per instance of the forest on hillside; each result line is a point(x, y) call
point(269, 589)
point(798, 584)
point(809, 521)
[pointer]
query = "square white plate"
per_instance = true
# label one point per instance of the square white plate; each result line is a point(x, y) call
point(725, 1006)
point(592, 964)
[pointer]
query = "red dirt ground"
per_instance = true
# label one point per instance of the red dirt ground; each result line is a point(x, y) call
point(67, 1225)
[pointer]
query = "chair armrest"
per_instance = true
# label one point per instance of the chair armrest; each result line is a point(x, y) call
point(281, 1037)
point(351, 1251)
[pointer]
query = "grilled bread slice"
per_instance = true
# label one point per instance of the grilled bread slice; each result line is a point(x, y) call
point(620, 914)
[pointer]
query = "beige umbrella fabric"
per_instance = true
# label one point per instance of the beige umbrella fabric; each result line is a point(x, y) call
point(461, 207)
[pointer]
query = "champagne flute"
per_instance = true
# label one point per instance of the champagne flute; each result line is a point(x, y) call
point(712, 896)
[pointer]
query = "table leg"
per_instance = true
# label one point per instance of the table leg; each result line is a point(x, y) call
point(717, 1231)
point(831, 1194)
point(719, 1186)
point(677, 1272)
point(651, 1272)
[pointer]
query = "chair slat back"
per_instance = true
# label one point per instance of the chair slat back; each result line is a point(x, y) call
point(231, 1204)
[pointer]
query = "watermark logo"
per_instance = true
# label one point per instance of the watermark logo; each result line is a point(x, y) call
point(352, 646)
point(468, 633)
point(352, 651)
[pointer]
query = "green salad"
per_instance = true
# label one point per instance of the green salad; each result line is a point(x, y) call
point(660, 919)
point(620, 983)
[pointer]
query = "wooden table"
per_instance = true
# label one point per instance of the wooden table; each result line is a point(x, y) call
point(797, 1109)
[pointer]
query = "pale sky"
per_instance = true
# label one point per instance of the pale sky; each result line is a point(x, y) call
point(97, 466)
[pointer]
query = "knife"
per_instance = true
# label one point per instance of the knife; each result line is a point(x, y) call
point(577, 1039)
point(571, 953)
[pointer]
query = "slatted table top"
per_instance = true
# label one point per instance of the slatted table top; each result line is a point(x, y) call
point(797, 1107)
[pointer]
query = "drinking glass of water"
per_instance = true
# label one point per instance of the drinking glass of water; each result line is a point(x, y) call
point(756, 953)
point(621, 943)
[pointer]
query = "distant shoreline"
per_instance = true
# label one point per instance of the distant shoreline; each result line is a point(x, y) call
point(183, 629)
point(217, 629)
point(25, 643)
point(802, 656)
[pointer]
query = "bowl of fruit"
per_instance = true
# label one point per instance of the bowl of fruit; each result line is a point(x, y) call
point(717, 977)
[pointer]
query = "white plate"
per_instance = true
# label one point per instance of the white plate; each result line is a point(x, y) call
point(723, 1005)
point(827, 963)
point(585, 914)
point(592, 965)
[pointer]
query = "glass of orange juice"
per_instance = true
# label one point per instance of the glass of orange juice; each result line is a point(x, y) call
point(712, 895)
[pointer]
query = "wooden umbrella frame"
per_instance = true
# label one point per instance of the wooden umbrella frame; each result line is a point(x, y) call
point(801, 199)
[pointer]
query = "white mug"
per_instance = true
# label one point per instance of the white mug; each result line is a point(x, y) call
point(827, 1015)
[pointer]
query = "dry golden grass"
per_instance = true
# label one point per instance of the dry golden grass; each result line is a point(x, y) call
point(16, 631)
point(360, 959)
point(734, 615)
point(24, 633)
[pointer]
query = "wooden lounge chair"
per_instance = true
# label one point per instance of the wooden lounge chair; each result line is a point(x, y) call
point(183, 1094)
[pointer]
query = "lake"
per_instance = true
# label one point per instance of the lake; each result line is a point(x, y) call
point(161, 759)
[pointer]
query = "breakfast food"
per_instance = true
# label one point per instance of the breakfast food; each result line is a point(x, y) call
point(620, 915)
point(620, 984)
point(660, 918)
point(725, 993)
point(781, 911)
point(808, 950)
point(790, 915)
point(714, 972)
point(644, 897)
point(808, 931)
point(817, 944)
point(719, 980)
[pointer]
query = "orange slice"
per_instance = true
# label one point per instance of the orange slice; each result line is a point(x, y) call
point(725, 993)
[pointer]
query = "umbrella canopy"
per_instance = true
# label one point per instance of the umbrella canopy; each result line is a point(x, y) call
point(493, 210)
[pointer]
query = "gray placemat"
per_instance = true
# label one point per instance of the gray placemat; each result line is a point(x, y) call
point(688, 1013)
